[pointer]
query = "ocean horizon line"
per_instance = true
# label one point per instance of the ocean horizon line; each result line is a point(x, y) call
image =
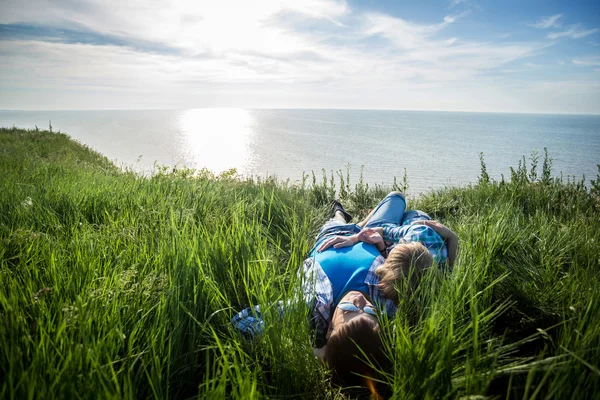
point(436, 148)
point(305, 109)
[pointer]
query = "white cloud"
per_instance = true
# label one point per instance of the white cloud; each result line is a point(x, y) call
point(568, 86)
point(237, 41)
point(438, 59)
point(405, 34)
point(185, 24)
point(548, 22)
point(250, 54)
point(454, 3)
point(402, 33)
point(573, 32)
point(593, 61)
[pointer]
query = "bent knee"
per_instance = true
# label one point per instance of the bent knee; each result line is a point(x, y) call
point(396, 193)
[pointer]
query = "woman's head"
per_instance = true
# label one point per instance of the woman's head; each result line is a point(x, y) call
point(354, 342)
point(405, 261)
point(342, 316)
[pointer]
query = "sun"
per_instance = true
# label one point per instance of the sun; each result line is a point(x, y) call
point(217, 138)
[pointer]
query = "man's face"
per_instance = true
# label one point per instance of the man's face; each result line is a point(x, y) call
point(341, 317)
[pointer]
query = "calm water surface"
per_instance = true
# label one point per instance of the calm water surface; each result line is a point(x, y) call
point(436, 148)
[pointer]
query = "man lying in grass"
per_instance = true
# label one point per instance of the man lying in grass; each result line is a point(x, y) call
point(399, 243)
point(349, 284)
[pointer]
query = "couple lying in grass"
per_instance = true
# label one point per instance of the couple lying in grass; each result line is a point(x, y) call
point(350, 279)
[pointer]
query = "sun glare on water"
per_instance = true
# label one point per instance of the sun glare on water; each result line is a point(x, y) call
point(217, 138)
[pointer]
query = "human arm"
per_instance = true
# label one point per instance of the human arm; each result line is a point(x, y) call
point(449, 237)
point(338, 241)
point(368, 235)
point(394, 233)
point(317, 293)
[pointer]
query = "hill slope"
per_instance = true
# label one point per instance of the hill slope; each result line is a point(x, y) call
point(116, 285)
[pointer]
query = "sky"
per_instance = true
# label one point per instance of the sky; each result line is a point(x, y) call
point(452, 55)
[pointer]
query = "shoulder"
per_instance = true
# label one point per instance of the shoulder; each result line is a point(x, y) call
point(313, 273)
point(422, 233)
point(384, 304)
point(372, 279)
point(316, 285)
point(377, 262)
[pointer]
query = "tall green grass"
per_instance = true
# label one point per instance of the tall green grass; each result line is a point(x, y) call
point(114, 285)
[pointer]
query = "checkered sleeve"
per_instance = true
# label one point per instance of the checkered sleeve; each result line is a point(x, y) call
point(318, 294)
point(393, 233)
point(430, 239)
point(249, 321)
point(386, 306)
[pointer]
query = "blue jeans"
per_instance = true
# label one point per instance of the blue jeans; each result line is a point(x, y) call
point(414, 215)
point(390, 210)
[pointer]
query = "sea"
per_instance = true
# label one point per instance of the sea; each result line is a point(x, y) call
point(434, 149)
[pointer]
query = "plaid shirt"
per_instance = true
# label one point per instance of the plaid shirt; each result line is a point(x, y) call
point(419, 233)
point(317, 292)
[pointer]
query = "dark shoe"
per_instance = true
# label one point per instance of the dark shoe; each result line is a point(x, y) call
point(337, 206)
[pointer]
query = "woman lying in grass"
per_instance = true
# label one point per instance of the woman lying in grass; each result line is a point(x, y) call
point(403, 245)
point(348, 284)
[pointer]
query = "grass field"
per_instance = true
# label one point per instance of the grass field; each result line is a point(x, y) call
point(118, 286)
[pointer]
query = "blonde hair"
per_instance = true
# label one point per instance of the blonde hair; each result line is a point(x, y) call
point(405, 261)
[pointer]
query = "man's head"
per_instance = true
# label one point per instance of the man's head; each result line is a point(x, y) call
point(354, 338)
point(405, 261)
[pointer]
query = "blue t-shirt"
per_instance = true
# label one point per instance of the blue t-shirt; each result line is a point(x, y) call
point(347, 267)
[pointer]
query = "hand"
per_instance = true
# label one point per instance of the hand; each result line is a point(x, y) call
point(449, 237)
point(338, 241)
point(370, 235)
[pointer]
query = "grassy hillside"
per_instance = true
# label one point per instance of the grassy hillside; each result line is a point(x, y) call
point(119, 286)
